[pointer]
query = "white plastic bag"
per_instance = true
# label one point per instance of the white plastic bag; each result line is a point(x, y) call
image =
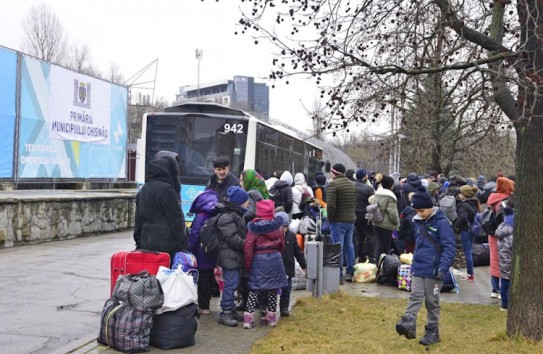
point(365, 272)
point(294, 226)
point(179, 289)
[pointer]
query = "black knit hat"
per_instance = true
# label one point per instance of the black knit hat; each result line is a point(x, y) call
point(338, 169)
point(387, 182)
point(421, 199)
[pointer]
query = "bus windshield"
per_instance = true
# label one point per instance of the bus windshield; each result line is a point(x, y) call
point(198, 140)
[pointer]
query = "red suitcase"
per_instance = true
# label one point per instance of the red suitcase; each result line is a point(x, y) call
point(134, 262)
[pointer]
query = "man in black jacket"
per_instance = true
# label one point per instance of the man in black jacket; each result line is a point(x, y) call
point(222, 179)
point(364, 229)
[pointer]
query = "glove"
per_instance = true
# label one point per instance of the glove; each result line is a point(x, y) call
point(440, 276)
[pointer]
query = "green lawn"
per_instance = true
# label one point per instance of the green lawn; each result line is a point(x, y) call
point(352, 324)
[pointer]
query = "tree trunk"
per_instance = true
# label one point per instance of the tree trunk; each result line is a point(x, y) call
point(525, 316)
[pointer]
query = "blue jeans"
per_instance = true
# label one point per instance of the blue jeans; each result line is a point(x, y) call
point(343, 233)
point(504, 292)
point(495, 281)
point(467, 241)
point(231, 281)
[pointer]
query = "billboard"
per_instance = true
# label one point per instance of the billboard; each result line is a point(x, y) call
point(71, 125)
point(8, 84)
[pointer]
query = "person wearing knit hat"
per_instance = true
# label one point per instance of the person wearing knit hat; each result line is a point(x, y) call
point(504, 188)
point(291, 254)
point(263, 247)
point(388, 204)
point(222, 178)
point(232, 231)
point(338, 169)
point(468, 207)
point(319, 189)
point(340, 208)
point(349, 173)
point(430, 263)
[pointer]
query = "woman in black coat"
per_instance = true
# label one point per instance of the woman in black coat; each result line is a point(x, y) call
point(159, 224)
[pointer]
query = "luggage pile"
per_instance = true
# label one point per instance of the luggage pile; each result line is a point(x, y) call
point(150, 304)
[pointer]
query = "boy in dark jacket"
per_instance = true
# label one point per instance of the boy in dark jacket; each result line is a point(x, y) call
point(292, 251)
point(434, 253)
point(232, 232)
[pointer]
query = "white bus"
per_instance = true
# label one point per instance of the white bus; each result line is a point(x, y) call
point(201, 132)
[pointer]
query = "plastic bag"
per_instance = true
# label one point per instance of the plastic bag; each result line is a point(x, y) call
point(179, 289)
point(406, 258)
point(365, 272)
point(294, 226)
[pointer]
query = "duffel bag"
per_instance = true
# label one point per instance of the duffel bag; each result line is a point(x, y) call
point(140, 290)
point(175, 329)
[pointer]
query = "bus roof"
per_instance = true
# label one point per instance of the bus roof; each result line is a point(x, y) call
point(204, 107)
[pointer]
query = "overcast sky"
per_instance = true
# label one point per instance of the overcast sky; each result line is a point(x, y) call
point(133, 33)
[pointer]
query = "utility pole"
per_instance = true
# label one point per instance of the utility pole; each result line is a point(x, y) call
point(199, 56)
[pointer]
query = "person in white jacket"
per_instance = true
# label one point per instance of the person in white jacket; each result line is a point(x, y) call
point(300, 186)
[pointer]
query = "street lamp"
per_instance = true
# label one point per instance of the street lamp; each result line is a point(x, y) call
point(199, 56)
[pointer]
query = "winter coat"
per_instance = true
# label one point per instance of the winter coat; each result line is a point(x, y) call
point(363, 192)
point(466, 213)
point(222, 188)
point(407, 229)
point(292, 251)
point(159, 223)
point(263, 248)
point(254, 196)
point(401, 199)
point(427, 260)
point(285, 194)
point(387, 203)
point(300, 187)
point(204, 207)
point(504, 234)
point(232, 235)
point(319, 192)
point(341, 200)
point(495, 202)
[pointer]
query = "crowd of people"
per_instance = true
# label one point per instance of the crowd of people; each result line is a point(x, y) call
point(430, 215)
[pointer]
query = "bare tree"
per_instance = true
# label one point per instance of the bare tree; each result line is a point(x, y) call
point(115, 75)
point(78, 58)
point(361, 43)
point(45, 38)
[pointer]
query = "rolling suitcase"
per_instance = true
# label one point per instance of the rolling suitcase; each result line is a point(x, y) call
point(133, 262)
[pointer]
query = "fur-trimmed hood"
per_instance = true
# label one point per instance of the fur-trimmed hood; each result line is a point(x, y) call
point(261, 226)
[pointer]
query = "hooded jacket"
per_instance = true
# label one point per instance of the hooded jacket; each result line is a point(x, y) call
point(282, 191)
point(204, 207)
point(427, 260)
point(300, 187)
point(411, 184)
point(363, 192)
point(159, 223)
point(466, 213)
point(504, 233)
point(232, 235)
point(388, 204)
point(263, 248)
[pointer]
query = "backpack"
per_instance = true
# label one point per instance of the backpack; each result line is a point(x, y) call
point(447, 205)
point(387, 271)
point(209, 235)
point(374, 213)
point(477, 226)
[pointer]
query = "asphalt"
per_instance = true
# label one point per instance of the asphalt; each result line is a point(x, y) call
point(53, 293)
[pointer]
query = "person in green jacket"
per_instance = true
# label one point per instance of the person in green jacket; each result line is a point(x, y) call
point(340, 206)
point(388, 205)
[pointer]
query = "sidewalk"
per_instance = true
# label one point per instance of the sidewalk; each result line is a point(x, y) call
point(53, 294)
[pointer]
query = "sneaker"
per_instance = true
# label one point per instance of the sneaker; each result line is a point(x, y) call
point(248, 320)
point(499, 296)
point(494, 295)
point(348, 277)
point(204, 312)
point(470, 277)
point(503, 309)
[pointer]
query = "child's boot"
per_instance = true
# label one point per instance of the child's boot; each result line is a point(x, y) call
point(407, 326)
point(271, 319)
point(431, 335)
point(248, 319)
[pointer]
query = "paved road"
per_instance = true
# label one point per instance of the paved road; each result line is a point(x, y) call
point(52, 295)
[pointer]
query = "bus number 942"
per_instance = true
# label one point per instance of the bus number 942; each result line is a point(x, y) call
point(233, 128)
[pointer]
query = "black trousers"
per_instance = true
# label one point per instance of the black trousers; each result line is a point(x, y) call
point(365, 239)
point(205, 283)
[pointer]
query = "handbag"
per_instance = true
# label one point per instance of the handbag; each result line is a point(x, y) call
point(179, 288)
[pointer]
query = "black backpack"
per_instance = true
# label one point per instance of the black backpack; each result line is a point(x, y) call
point(387, 271)
point(491, 219)
point(209, 235)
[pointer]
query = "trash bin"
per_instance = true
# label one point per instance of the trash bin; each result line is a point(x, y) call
point(331, 260)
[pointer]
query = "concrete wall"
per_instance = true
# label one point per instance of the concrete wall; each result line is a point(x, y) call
point(28, 217)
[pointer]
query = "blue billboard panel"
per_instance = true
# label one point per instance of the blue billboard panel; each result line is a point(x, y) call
point(71, 125)
point(8, 83)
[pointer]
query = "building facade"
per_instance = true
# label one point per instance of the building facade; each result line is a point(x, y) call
point(241, 92)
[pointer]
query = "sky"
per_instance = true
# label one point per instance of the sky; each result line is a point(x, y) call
point(133, 33)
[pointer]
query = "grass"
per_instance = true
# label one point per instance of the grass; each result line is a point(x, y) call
point(340, 323)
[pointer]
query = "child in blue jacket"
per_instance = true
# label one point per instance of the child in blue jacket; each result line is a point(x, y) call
point(435, 249)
